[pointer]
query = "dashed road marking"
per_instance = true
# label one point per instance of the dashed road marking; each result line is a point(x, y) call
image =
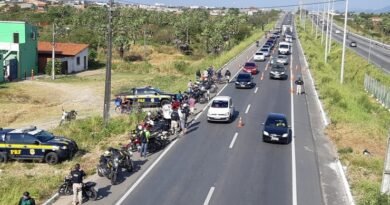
point(247, 109)
point(257, 88)
point(233, 140)
point(209, 195)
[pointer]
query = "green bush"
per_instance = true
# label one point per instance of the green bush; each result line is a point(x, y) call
point(57, 67)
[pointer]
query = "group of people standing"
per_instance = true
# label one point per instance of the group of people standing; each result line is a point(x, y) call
point(211, 74)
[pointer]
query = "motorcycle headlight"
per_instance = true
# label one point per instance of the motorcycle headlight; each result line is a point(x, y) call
point(285, 135)
point(64, 147)
point(265, 133)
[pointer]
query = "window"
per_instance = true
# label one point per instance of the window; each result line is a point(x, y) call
point(78, 60)
point(16, 37)
point(33, 36)
point(220, 104)
point(16, 138)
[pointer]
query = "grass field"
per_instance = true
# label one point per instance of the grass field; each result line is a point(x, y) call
point(40, 102)
point(358, 122)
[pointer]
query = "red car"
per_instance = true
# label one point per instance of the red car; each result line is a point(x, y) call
point(250, 67)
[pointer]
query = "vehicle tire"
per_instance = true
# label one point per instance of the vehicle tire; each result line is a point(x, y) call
point(62, 189)
point(113, 178)
point(3, 157)
point(164, 102)
point(51, 158)
point(100, 174)
point(92, 194)
point(129, 164)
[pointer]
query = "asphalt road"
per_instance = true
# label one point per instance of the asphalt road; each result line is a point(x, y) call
point(220, 163)
point(378, 55)
point(211, 166)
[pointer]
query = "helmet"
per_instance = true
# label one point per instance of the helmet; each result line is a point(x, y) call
point(107, 153)
point(149, 113)
point(139, 127)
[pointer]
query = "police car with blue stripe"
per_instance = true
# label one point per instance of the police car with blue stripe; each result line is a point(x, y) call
point(35, 144)
point(147, 96)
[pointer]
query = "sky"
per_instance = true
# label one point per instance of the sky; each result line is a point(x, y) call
point(353, 4)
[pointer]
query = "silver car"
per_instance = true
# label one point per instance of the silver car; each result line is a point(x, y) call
point(265, 51)
point(282, 59)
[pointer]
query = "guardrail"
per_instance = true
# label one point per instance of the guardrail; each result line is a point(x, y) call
point(379, 91)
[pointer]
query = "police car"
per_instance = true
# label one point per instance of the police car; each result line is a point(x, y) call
point(35, 144)
point(147, 96)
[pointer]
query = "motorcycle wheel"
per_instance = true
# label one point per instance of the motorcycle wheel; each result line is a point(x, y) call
point(64, 190)
point(129, 164)
point(100, 174)
point(113, 178)
point(92, 194)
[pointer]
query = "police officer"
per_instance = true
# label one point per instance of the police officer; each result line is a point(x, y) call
point(77, 179)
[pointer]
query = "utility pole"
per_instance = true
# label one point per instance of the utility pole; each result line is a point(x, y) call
point(323, 24)
point(312, 20)
point(107, 88)
point(344, 41)
point(53, 54)
point(317, 18)
point(331, 27)
point(327, 36)
point(300, 11)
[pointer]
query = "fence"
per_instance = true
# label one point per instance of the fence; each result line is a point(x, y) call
point(379, 91)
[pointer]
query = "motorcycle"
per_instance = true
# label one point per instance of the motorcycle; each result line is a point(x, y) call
point(68, 116)
point(88, 190)
point(109, 165)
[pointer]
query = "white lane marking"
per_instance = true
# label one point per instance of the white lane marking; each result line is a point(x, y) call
point(256, 89)
point(293, 163)
point(208, 198)
point(198, 115)
point(233, 140)
point(145, 173)
point(247, 109)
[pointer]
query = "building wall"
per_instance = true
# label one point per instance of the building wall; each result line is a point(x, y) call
point(1, 69)
point(72, 62)
point(27, 54)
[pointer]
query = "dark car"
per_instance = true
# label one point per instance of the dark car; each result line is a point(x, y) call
point(35, 144)
point(353, 44)
point(250, 67)
point(244, 80)
point(278, 71)
point(276, 129)
point(269, 44)
point(147, 96)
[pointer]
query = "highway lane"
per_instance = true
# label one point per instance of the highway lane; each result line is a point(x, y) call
point(378, 55)
point(202, 168)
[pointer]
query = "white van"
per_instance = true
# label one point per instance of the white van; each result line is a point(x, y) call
point(221, 109)
point(284, 48)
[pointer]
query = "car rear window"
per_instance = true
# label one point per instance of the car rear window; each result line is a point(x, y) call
point(276, 123)
point(220, 104)
point(283, 46)
point(244, 77)
point(259, 53)
point(250, 64)
point(264, 49)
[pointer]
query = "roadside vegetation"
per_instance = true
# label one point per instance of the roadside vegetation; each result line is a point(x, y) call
point(358, 122)
point(375, 26)
point(165, 66)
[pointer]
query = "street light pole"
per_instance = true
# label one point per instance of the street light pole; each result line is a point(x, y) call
point(331, 27)
point(53, 54)
point(107, 88)
point(323, 24)
point(327, 36)
point(344, 41)
point(318, 19)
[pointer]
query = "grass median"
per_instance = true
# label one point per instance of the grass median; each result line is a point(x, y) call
point(42, 180)
point(358, 122)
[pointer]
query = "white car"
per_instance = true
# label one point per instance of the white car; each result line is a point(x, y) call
point(337, 31)
point(221, 109)
point(259, 56)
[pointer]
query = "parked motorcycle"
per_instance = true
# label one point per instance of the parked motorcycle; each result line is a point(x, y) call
point(68, 116)
point(89, 191)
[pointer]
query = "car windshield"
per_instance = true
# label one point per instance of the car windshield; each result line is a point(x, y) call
point(243, 78)
point(250, 65)
point(278, 67)
point(220, 104)
point(44, 136)
point(283, 46)
point(282, 57)
point(276, 123)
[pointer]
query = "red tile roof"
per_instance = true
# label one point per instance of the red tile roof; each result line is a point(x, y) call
point(66, 49)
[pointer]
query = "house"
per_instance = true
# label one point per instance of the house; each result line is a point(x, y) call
point(18, 50)
point(74, 57)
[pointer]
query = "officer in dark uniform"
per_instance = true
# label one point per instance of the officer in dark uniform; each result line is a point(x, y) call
point(77, 179)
